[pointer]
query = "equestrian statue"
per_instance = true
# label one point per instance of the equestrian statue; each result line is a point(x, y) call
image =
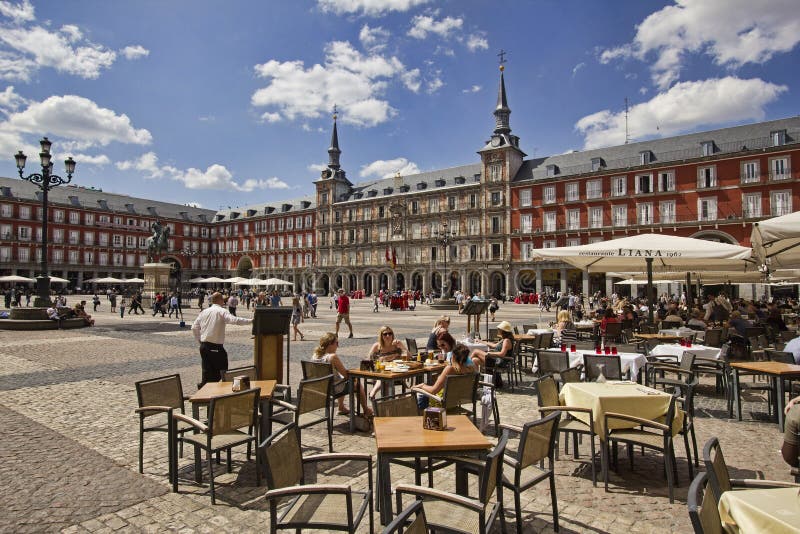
point(158, 242)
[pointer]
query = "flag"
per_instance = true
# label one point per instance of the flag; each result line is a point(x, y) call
point(394, 258)
point(388, 258)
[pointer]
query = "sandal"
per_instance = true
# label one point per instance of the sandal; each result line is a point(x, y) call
point(344, 411)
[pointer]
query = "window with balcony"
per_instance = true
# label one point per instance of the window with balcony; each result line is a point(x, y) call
point(58, 216)
point(24, 254)
point(666, 181)
point(751, 205)
point(619, 216)
point(594, 189)
point(573, 241)
point(644, 184)
point(707, 209)
point(24, 212)
point(473, 226)
point(433, 205)
point(24, 233)
point(351, 235)
point(549, 243)
point(495, 172)
point(549, 222)
point(619, 186)
point(473, 252)
point(572, 192)
point(496, 227)
point(706, 177)
point(451, 203)
point(549, 194)
point(382, 233)
point(573, 219)
point(596, 217)
point(666, 210)
point(381, 212)
point(779, 169)
point(750, 172)
point(644, 213)
point(497, 251)
point(780, 203)
point(526, 224)
point(524, 198)
point(58, 235)
point(414, 207)
point(5, 210)
point(5, 232)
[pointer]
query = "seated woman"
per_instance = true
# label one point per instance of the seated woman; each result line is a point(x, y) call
point(79, 311)
point(442, 324)
point(564, 323)
point(386, 349)
point(445, 342)
point(696, 322)
point(326, 352)
point(740, 325)
point(460, 364)
point(609, 317)
point(503, 349)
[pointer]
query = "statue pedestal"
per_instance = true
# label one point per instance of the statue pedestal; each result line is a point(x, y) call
point(156, 280)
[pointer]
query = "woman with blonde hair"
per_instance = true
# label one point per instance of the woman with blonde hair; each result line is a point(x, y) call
point(460, 364)
point(386, 349)
point(326, 352)
point(564, 330)
point(442, 324)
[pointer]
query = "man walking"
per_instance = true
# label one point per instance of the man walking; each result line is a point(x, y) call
point(209, 331)
point(233, 303)
point(343, 312)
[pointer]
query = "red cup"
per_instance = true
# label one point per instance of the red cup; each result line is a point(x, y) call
point(614, 350)
point(597, 349)
point(573, 348)
point(682, 342)
point(689, 342)
point(563, 347)
point(608, 350)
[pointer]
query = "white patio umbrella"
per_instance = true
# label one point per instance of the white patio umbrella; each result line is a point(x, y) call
point(134, 281)
point(196, 280)
point(59, 280)
point(212, 280)
point(277, 282)
point(234, 280)
point(108, 280)
point(15, 278)
point(250, 282)
point(649, 253)
point(775, 241)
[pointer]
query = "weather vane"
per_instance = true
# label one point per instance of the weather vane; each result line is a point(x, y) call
point(502, 56)
point(335, 112)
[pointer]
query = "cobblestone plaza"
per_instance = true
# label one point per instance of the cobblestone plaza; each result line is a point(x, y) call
point(70, 435)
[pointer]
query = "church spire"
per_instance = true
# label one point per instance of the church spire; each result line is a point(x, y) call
point(333, 151)
point(502, 111)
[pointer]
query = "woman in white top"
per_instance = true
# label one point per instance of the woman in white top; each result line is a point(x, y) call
point(386, 349)
point(326, 352)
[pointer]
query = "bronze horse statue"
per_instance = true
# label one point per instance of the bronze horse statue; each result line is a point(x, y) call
point(158, 242)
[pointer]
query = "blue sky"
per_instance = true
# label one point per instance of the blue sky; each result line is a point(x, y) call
point(227, 104)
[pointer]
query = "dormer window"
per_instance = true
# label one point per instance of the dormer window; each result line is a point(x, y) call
point(305, 204)
point(405, 188)
point(250, 213)
point(778, 137)
point(552, 170)
point(151, 210)
point(460, 180)
point(439, 182)
point(269, 209)
point(421, 186)
point(388, 191)
point(286, 207)
point(235, 215)
point(645, 157)
point(220, 217)
point(708, 148)
point(104, 205)
point(597, 164)
point(372, 193)
point(72, 200)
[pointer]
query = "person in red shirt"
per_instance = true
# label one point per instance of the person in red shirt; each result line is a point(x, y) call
point(343, 312)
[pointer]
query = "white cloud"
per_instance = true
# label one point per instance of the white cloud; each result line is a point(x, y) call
point(477, 42)
point(77, 118)
point(22, 12)
point(349, 79)
point(577, 67)
point(373, 39)
point(683, 108)
point(422, 25)
point(194, 204)
point(271, 117)
point(643, 90)
point(318, 167)
point(85, 159)
point(135, 52)
point(25, 49)
point(434, 84)
point(368, 7)
point(10, 100)
point(473, 89)
point(742, 32)
point(215, 177)
point(388, 168)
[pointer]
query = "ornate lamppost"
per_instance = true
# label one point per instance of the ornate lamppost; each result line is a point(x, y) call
point(445, 238)
point(45, 181)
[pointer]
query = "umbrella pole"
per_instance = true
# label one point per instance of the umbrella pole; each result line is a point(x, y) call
point(650, 299)
point(689, 298)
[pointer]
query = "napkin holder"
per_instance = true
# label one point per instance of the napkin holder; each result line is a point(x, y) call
point(367, 365)
point(241, 383)
point(434, 419)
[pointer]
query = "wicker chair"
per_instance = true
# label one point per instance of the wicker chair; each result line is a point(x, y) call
point(613, 333)
point(249, 371)
point(683, 371)
point(227, 414)
point(402, 524)
point(720, 478)
point(312, 369)
point(312, 506)
point(537, 442)
point(612, 370)
point(448, 512)
point(547, 392)
point(156, 396)
point(411, 343)
point(713, 337)
point(458, 390)
point(649, 434)
point(553, 362)
point(313, 396)
point(703, 508)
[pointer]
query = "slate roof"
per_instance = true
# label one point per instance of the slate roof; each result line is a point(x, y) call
point(416, 183)
point(267, 208)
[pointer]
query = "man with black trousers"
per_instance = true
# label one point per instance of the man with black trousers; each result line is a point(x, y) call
point(209, 331)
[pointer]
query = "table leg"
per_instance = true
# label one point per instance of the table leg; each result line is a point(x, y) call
point(171, 445)
point(779, 401)
point(352, 383)
point(384, 489)
point(737, 398)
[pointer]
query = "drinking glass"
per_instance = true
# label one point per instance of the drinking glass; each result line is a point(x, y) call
point(614, 350)
point(600, 377)
point(563, 347)
point(573, 348)
point(607, 350)
point(597, 349)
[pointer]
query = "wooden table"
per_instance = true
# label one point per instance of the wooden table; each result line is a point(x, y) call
point(387, 378)
point(776, 371)
point(776, 510)
point(404, 437)
point(216, 389)
point(526, 338)
point(659, 337)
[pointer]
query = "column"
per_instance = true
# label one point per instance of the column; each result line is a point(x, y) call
point(538, 279)
point(508, 285)
point(585, 288)
point(609, 286)
point(484, 281)
point(80, 278)
point(563, 271)
point(464, 281)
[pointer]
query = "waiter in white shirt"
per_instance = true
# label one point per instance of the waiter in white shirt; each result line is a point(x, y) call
point(209, 331)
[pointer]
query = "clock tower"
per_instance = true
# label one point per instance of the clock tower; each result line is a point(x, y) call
point(501, 156)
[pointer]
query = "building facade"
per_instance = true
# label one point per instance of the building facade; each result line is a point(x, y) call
point(471, 227)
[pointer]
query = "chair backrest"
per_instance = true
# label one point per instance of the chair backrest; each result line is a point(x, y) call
point(526, 327)
point(687, 360)
point(573, 374)
point(493, 335)
point(312, 369)
point(613, 329)
point(551, 361)
point(716, 468)
point(284, 458)
point(411, 343)
point(780, 356)
point(248, 371)
point(459, 390)
point(547, 391)
point(546, 340)
point(313, 394)
point(403, 405)
point(703, 508)
point(671, 324)
point(516, 329)
point(753, 331)
point(400, 524)
point(492, 473)
point(161, 391)
point(612, 369)
point(538, 440)
point(713, 337)
point(233, 411)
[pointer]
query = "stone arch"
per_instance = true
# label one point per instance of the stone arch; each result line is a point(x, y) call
point(416, 281)
point(474, 283)
point(526, 281)
point(497, 284)
point(715, 235)
point(244, 268)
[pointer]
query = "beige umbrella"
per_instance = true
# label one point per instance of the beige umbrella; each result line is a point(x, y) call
point(59, 280)
point(775, 241)
point(15, 278)
point(134, 281)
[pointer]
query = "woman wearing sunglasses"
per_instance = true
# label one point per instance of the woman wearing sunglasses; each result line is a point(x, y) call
point(386, 349)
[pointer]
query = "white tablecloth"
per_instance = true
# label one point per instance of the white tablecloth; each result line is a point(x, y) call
point(537, 331)
point(629, 360)
point(683, 331)
point(474, 345)
point(674, 349)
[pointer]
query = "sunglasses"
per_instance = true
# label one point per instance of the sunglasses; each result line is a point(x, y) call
point(388, 334)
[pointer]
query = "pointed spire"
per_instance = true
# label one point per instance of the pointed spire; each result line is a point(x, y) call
point(502, 111)
point(333, 151)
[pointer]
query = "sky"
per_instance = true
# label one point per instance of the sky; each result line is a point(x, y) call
point(219, 104)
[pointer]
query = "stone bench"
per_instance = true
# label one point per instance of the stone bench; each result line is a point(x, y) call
point(41, 324)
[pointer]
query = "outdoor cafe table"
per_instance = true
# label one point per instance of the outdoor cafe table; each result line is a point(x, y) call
point(404, 437)
point(623, 397)
point(217, 389)
point(776, 371)
point(537, 331)
point(629, 361)
point(387, 378)
point(675, 350)
point(775, 510)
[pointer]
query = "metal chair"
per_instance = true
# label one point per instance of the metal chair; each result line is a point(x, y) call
point(713, 337)
point(526, 327)
point(312, 369)
point(613, 333)
point(249, 371)
point(403, 524)
point(458, 390)
point(313, 395)
point(683, 371)
point(553, 362)
point(703, 508)
point(612, 370)
point(156, 396)
point(448, 512)
point(227, 414)
point(312, 506)
point(411, 343)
